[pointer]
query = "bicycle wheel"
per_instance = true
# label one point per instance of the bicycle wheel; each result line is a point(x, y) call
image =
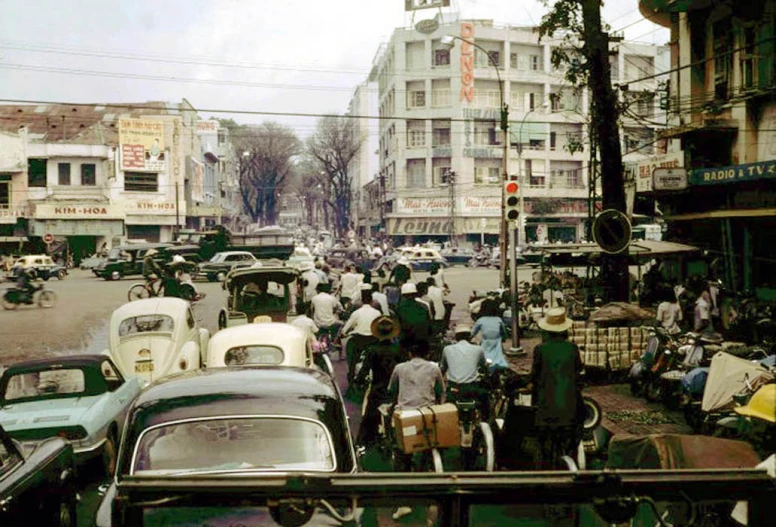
point(138, 292)
point(436, 459)
point(46, 298)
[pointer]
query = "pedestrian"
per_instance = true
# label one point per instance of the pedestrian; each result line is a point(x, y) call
point(436, 296)
point(380, 360)
point(393, 294)
point(381, 299)
point(557, 390)
point(309, 281)
point(703, 314)
point(322, 276)
point(349, 286)
point(423, 298)
point(359, 328)
point(463, 364)
point(414, 317)
point(669, 312)
point(401, 272)
point(493, 331)
point(438, 276)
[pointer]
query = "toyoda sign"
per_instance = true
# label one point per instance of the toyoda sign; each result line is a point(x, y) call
point(465, 206)
point(441, 226)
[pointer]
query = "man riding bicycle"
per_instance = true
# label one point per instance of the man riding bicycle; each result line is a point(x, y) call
point(325, 311)
point(152, 271)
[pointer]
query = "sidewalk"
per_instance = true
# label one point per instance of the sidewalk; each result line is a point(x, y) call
point(623, 413)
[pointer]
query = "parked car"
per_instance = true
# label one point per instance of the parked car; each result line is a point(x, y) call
point(301, 256)
point(40, 266)
point(266, 344)
point(127, 260)
point(338, 258)
point(82, 398)
point(232, 423)
point(154, 337)
point(36, 483)
point(92, 262)
point(245, 302)
point(457, 255)
point(221, 263)
point(421, 259)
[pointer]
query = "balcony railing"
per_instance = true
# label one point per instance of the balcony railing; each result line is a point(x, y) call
point(487, 98)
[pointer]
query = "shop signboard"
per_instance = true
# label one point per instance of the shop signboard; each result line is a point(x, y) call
point(96, 227)
point(197, 181)
point(79, 211)
point(464, 206)
point(441, 226)
point(207, 127)
point(644, 168)
point(141, 144)
point(734, 174)
point(11, 214)
point(154, 207)
point(669, 179)
point(467, 62)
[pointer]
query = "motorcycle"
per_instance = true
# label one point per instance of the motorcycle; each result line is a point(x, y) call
point(477, 444)
point(14, 297)
point(479, 260)
point(754, 420)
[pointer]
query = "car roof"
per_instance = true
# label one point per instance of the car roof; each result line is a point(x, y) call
point(72, 361)
point(151, 306)
point(136, 246)
point(235, 252)
point(278, 334)
point(280, 390)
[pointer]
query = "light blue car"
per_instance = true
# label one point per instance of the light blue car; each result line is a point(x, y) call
point(81, 398)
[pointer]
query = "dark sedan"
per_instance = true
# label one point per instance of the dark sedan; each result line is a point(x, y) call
point(36, 484)
point(231, 423)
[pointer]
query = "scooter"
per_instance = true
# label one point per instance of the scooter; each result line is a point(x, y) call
point(14, 297)
point(478, 449)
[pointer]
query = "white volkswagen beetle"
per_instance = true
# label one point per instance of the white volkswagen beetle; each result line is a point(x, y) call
point(155, 337)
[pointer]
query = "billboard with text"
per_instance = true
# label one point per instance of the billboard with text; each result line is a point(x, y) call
point(141, 145)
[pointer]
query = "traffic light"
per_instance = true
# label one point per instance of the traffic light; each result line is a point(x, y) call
point(511, 200)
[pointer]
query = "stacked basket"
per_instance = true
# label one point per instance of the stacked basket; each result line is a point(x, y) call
point(615, 348)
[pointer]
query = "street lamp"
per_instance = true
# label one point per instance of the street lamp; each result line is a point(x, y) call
point(520, 227)
point(449, 41)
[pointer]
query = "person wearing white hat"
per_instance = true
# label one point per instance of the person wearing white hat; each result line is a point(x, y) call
point(309, 282)
point(401, 272)
point(152, 271)
point(414, 317)
point(557, 390)
point(359, 329)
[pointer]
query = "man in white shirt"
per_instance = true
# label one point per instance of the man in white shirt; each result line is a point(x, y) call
point(310, 283)
point(381, 299)
point(350, 284)
point(322, 276)
point(436, 296)
point(359, 328)
point(325, 308)
point(669, 314)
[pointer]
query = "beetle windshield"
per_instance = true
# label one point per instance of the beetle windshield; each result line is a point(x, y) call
point(257, 354)
point(235, 445)
point(45, 384)
point(145, 324)
point(217, 258)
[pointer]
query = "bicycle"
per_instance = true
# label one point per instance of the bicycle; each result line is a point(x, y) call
point(145, 290)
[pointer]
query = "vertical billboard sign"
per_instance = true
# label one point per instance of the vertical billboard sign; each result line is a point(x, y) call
point(467, 61)
point(197, 181)
point(141, 143)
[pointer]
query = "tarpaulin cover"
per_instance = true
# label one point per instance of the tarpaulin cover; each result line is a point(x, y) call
point(727, 377)
point(676, 451)
point(621, 311)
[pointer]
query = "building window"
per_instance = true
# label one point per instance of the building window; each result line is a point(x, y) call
point(487, 171)
point(141, 181)
point(492, 58)
point(748, 58)
point(533, 62)
point(64, 174)
point(36, 173)
point(5, 191)
point(441, 135)
point(442, 170)
point(416, 134)
point(440, 93)
point(416, 173)
point(88, 175)
point(553, 138)
point(441, 57)
point(416, 95)
point(486, 133)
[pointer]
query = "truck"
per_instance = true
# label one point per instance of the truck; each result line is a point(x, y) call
point(266, 243)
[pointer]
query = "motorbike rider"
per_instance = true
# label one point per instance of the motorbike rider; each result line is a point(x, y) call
point(463, 364)
point(414, 317)
point(182, 275)
point(325, 310)
point(557, 389)
point(401, 272)
point(359, 328)
point(24, 282)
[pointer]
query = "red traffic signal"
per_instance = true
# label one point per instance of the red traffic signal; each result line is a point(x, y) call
point(511, 200)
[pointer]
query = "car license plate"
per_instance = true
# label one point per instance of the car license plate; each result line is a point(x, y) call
point(144, 367)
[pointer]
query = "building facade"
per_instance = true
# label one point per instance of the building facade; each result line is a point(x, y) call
point(722, 121)
point(88, 177)
point(441, 143)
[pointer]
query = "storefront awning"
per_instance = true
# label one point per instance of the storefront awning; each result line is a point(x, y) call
point(721, 214)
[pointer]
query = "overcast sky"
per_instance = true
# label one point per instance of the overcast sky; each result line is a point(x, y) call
point(283, 55)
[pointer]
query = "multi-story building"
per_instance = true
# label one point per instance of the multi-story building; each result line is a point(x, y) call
point(440, 111)
point(96, 175)
point(364, 165)
point(722, 119)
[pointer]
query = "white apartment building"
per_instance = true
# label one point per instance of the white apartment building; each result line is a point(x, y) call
point(440, 113)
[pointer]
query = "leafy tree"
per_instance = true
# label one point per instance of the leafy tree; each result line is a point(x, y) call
point(332, 148)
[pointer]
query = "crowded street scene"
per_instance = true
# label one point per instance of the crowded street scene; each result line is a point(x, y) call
point(466, 262)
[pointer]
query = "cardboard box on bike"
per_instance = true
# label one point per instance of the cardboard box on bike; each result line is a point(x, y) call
point(428, 427)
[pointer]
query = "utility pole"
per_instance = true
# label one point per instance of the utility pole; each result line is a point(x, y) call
point(451, 181)
point(614, 267)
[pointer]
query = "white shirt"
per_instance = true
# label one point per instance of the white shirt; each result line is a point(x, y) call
point(436, 295)
point(381, 299)
point(311, 277)
point(325, 309)
point(350, 284)
point(360, 321)
point(553, 298)
point(669, 314)
point(306, 324)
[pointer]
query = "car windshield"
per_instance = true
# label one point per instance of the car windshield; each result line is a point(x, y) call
point(145, 324)
point(218, 257)
point(45, 384)
point(256, 354)
point(235, 445)
point(8, 459)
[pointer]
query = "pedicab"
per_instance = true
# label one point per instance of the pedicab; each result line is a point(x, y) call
point(666, 452)
point(264, 289)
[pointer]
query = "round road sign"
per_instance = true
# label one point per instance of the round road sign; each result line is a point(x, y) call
point(612, 231)
point(48, 238)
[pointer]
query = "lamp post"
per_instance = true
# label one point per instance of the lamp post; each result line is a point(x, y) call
point(520, 228)
point(449, 41)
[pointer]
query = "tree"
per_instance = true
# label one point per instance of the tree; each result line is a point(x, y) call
point(580, 21)
point(309, 187)
point(332, 147)
point(266, 155)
